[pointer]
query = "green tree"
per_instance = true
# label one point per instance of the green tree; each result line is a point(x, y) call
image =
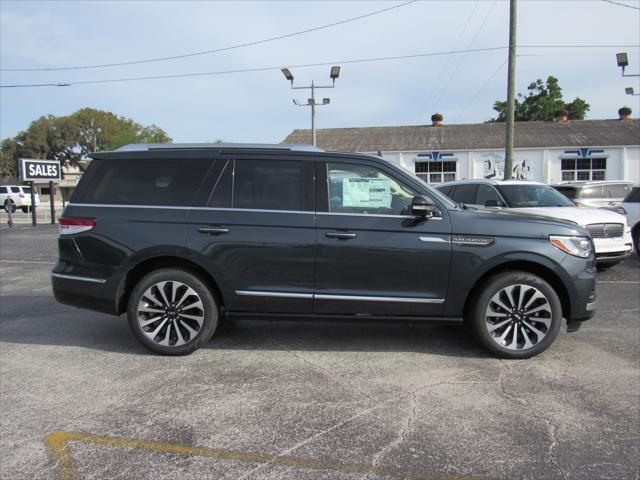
point(72, 137)
point(543, 102)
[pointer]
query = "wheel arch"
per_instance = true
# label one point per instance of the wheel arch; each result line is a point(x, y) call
point(135, 274)
point(525, 266)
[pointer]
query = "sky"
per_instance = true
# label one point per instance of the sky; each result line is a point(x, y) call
point(257, 106)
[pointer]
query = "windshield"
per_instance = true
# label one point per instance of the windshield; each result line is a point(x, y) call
point(522, 196)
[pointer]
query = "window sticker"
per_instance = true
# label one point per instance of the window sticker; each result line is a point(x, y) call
point(366, 192)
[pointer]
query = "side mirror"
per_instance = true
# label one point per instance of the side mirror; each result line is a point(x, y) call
point(423, 207)
point(491, 203)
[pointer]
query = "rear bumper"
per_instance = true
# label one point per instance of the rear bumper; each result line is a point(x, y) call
point(84, 291)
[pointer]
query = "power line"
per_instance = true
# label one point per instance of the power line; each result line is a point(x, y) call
point(621, 4)
point(306, 65)
point(257, 69)
point(437, 84)
point(448, 82)
point(216, 50)
point(477, 94)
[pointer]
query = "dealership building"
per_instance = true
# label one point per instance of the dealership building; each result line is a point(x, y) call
point(549, 152)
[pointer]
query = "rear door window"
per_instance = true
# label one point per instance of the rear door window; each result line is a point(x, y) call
point(592, 192)
point(446, 190)
point(164, 182)
point(465, 193)
point(3, 189)
point(271, 185)
point(15, 189)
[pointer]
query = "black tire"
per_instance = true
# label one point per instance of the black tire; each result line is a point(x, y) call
point(25, 209)
point(479, 321)
point(636, 239)
point(9, 206)
point(172, 319)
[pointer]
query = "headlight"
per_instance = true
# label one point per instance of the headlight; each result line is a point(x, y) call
point(576, 246)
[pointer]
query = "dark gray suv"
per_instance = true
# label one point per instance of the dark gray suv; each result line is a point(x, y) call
point(180, 236)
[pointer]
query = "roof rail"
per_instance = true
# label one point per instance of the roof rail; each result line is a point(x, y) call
point(138, 147)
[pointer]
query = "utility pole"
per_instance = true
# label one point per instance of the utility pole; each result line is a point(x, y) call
point(511, 79)
point(311, 102)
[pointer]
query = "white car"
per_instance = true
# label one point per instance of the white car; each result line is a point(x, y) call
point(630, 206)
point(609, 230)
point(13, 197)
point(595, 193)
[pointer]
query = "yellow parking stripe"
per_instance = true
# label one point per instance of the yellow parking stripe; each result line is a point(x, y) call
point(57, 444)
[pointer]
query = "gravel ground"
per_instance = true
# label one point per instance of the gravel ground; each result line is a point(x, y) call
point(80, 398)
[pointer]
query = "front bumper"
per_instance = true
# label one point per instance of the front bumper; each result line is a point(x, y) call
point(613, 249)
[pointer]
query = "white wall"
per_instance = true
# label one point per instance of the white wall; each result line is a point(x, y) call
point(539, 164)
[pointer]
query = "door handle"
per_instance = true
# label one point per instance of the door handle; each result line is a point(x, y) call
point(213, 230)
point(341, 235)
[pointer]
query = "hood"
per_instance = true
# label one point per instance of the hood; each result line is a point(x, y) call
point(579, 215)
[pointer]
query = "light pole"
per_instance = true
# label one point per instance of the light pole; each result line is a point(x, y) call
point(623, 62)
point(311, 102)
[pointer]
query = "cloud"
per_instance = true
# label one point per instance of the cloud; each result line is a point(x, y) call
point(257, 106)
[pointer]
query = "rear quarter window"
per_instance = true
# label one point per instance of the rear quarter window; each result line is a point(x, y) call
point(617, 190)
point(164, 182)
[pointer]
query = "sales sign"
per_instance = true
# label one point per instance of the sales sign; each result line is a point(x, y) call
point(39, 171)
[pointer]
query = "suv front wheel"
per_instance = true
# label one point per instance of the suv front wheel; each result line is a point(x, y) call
point(172, 312)
point(516, 315)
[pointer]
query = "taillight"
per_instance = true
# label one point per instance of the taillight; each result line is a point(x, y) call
point(71, 225)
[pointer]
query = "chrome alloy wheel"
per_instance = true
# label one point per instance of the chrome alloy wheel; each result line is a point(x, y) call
point(518, 317)
point(170, 313)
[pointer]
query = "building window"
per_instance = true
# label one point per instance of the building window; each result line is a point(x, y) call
point(583, 169)
point(436, 172)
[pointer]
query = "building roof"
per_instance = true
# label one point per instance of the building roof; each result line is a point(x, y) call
point(477, 136)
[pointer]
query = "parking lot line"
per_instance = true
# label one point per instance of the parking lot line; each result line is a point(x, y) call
point(57, 444)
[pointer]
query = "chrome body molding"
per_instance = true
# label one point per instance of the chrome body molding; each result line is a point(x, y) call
point(362, 298)
point(435, 239)
point(253, 293)
point(79, 278)
point(256, 210)
point(357, 298)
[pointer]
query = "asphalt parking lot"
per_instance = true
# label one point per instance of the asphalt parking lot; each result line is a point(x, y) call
point(80, 398)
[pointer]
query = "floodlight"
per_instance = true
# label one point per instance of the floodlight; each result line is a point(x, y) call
point(326, 101)
point(311, 101)
point(628, 90)
point(335, 72)
point(287, 74)
point(622, 59)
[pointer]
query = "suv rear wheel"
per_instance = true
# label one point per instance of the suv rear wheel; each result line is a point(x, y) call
point(516, 315)
point(172, 311)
